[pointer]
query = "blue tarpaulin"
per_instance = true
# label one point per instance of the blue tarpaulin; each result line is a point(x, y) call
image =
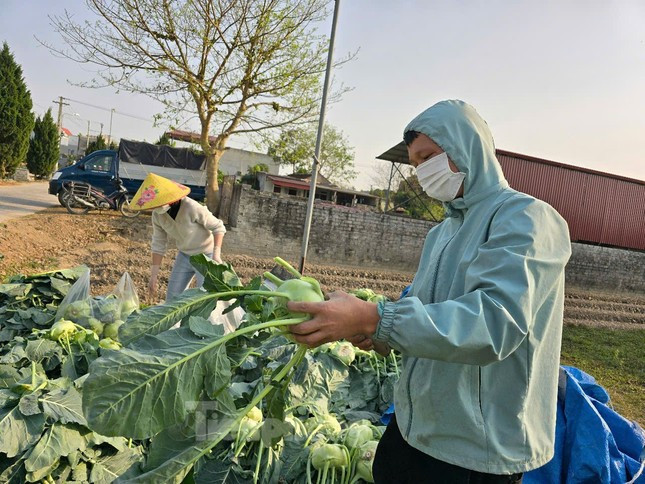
point(593, 443)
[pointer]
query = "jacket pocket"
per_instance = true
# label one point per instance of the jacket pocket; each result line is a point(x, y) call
point(477, 398)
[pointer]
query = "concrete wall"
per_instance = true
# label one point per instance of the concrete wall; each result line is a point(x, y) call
point(268, 225)
point(601, 268)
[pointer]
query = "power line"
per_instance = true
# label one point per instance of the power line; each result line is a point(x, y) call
point(110, 110)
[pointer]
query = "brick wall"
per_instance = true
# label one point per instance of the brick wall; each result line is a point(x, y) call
point(268, 225)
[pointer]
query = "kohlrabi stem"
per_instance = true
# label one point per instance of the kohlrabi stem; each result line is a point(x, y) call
point(256, 474)
point(273, 278)
point(294, 361)
point(290, 269)
point(249, 292)
point(309, 481)
point(394, 362)
point(311, 435)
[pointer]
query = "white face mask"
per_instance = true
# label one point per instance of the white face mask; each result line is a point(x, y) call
point(438, 180)
point(161, 210)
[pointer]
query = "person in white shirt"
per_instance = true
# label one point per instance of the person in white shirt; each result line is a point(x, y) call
point(190, 224)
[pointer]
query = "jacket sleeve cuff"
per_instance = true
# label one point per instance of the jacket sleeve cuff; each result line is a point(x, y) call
point(387, 312)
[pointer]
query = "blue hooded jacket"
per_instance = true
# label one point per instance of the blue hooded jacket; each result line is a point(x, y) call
point(480, 328)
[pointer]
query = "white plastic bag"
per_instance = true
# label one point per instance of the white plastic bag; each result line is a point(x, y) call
point(99, 313)
point(126, 292)
point(230, 320)
point(77, 304)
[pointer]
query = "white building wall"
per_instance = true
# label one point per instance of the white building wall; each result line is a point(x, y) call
point(235, 161)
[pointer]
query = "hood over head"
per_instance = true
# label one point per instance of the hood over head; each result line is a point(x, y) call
point(462, 133)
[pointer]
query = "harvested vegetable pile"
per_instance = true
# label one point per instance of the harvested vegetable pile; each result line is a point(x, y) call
point(192, 403)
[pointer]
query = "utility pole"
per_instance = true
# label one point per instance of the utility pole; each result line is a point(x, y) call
point(389, 185)
point(319, 137)
point(87, 139)
point(60, 112)
point(110, 133)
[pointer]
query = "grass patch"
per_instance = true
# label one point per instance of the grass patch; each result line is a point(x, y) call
point(616, 359)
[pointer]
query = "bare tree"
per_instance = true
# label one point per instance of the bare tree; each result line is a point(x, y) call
point(239, 66)
point(384, 169)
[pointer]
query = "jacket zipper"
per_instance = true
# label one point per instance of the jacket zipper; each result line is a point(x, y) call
point(414, 363)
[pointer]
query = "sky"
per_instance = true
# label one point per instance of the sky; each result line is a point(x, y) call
point(559, 80)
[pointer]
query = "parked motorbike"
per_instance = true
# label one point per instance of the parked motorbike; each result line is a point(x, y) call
point(80, 198)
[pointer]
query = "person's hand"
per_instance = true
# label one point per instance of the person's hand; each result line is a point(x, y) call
point(341, 317)
point(366, 343)
point(217, 255)
point(153, 283)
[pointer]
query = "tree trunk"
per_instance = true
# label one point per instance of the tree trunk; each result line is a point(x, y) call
point(212, 190)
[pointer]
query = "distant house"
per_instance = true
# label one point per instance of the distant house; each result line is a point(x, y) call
point(65, 134)
point(298, 185)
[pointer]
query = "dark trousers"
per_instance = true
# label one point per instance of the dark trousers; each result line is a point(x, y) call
point(397, 462)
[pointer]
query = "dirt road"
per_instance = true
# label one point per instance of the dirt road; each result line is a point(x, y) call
point(23, 199)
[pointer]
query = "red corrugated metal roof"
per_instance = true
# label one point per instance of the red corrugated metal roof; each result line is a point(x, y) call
point(600, 208)
point(568, 167)
point(283, 181)
point(66, 131)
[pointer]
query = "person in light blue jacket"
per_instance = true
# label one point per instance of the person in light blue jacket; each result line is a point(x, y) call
point(480, 329)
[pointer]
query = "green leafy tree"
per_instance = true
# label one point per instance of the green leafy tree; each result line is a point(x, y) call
point(113, 146)
point(255, 169)
point(239, 66)
point(411, 197)
point(165, 140)
point(98, 144)
point(295, 148)
point(44, 150)
point(251, 176)
point(16, 118)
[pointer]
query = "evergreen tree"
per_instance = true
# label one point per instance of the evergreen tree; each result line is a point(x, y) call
point(43, 153)
point(16, 118)
point(98, 144)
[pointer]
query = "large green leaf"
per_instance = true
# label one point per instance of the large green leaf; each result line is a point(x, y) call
point(15, 353)
point(42, 348)
point(60, 285)
point(17, 431)
point(157, 319)
point(213, 471)
point(8, 398)
point(8, 376)
point(57, 442)
point(64, 406)
point(29, 404)
point(174, 451)
point(294, 459)
point(137, 392)
point(217, 277)
point(109, 468)
point(15, 290)
point(204, 328)
point(13, 472)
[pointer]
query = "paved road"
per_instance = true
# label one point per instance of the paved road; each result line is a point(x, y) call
point(24, 199)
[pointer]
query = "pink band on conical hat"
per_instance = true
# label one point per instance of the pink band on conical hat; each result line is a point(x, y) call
point(156, 191)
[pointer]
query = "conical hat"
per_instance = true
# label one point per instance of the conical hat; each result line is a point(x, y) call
point(156, 191)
